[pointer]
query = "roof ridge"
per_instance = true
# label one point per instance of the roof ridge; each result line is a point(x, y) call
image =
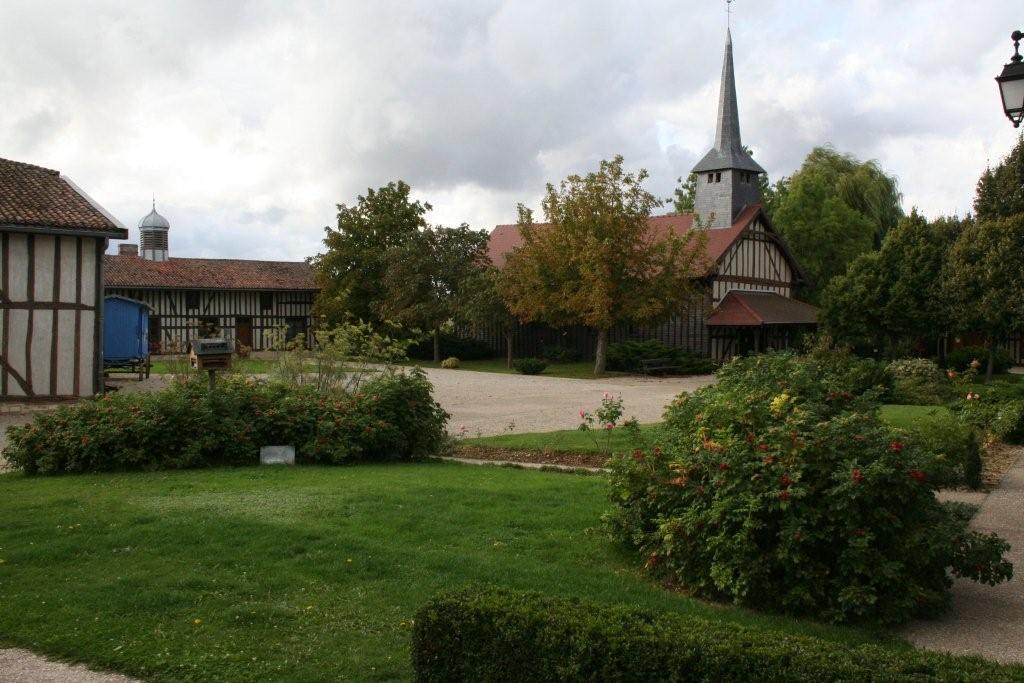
point(28, 165)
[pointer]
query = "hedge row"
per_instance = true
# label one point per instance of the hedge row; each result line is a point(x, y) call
point(392, 416)
point(489, 634)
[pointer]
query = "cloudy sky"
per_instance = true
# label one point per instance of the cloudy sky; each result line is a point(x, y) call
point(251, 120)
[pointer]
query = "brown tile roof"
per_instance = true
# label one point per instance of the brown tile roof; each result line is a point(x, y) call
point(749, 309)
point(206, 273)
point(37, 197)
point(505, 238)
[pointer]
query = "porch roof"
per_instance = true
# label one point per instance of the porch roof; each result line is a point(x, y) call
point(752, 309)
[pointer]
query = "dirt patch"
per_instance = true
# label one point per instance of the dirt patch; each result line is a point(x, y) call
point(998, 459)
point(568, 458)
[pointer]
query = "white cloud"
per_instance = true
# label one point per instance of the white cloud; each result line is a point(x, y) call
point(251, 120)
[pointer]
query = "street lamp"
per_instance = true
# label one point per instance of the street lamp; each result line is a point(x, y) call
point(1011, 83)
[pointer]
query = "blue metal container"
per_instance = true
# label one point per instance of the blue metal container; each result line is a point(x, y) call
point(125, 331)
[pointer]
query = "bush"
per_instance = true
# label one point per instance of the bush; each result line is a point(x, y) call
point(627, 356)
point(996, 409)
point(780, 489)
point(955, 447)
point(917, 381)
point(960, 359)
point(529, 366)
point(452, 345)
point(450, 363)
point(560, 354)
point(391, 417)
point(490, 634)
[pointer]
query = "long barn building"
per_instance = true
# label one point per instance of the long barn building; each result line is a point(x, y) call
point(750, 276)
point(248, 302)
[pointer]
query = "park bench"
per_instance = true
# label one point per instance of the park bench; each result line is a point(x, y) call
point(652, 365)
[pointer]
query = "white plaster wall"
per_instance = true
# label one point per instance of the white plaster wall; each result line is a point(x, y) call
point(43, 246)
point(42, 350)
point(68, 274)
point(17, 322)
point(18, 247)
point(86, 378)
point(65, 353)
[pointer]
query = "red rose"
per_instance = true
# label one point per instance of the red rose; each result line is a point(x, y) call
point(784, 495)
point(857, 476)
point(723, 466)
point(896, 446)
point(917, 474)
point(85, 440)
point(762, 447)
point(785, 481)
point(797, 536)
point(657, 451)
point(638, 454)
point(750, 437)
point(678, 481)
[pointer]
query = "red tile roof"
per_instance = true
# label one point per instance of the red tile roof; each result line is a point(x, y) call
point(505, 238)
point(33, 196)
point(750, 309)
point(206, 273)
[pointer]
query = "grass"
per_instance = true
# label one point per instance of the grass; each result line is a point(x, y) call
point(252, 366)
point(907, 417)
point(579, 370)
point(570, 440)
point(298, 574)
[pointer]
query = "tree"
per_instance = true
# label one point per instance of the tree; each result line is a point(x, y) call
point(427, 275)
point(352, 268)
point(893, 297)
point(1001, 190)
point(983, 275)
point(597, 262)
point(481, 305)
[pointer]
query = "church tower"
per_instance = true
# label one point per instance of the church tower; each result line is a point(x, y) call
point(153, 236)
point(726, 176)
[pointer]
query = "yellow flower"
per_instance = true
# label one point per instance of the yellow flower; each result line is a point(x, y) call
point(779, 403)
point(197, 621)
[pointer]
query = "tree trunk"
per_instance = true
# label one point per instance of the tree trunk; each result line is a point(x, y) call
point(601, 354)
point(991, 360)
point(437, 345)
point(508, 348)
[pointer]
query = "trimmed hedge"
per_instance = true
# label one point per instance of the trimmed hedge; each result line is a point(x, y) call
point(529, 366)
point(490, 634)
point(627, 356)
point(392, 416)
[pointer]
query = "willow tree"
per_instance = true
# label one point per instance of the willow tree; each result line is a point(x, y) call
point(597, 262)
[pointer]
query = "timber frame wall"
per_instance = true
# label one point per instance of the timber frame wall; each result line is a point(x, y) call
point(179, 324)
point(51, 305)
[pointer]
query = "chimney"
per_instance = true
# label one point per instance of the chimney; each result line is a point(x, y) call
point(128, 250)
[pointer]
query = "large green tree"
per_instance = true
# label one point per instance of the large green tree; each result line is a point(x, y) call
point(982, 280)
point(427, 276)
point(832, 210)
point(597, 262)
point(352, 268)
point(481, 305)
point(1001, 189)
point(890, 298)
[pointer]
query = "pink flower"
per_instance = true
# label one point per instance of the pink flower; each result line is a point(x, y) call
point(606, 396)
point(610, 425)
point(582, 413)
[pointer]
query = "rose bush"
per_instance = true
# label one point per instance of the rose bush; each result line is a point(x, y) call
point(392, 416)
point(779, 488)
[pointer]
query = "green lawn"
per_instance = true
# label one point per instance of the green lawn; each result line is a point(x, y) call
point(297, 574)
point(580, 370)
point(905, 417)
point(572, 440)
point(251, 366)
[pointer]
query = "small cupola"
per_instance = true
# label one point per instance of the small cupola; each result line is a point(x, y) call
point(153, 231)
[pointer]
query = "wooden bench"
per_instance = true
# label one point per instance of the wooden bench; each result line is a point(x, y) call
point(651, 365)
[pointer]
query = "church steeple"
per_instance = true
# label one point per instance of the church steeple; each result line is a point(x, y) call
point(727, 175)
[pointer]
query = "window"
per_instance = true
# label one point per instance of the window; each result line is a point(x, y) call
point(718, 177)
point(191, 301)
point(711, 177)
point(266, 301)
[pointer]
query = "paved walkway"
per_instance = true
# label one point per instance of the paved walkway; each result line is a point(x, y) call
point(987, 620)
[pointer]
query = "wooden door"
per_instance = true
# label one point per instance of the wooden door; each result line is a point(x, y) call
point(243, 332)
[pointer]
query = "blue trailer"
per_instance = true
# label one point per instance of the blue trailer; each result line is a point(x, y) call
point(125, 336)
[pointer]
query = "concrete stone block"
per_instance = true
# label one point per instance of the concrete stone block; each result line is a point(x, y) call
point(277, 455)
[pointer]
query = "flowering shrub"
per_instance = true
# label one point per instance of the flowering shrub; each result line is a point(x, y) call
point(961, 359)
point(917, 381)
point(606, 418)
point(780, 489)
point(391, 416)
point(450, 363)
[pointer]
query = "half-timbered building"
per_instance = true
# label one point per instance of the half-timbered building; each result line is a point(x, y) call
point(749, 277)
point(248, 302)
point(52, 239)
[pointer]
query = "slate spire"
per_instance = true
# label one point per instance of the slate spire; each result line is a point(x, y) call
point(728, 150)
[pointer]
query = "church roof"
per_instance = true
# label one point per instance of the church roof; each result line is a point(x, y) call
point(40, 198)
point(753, 309)
point(728, 150)
point(505, 238)
point(124, 270)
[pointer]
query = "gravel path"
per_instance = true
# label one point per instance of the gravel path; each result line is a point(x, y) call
point(987, 620)
point(21, 666)
point(489, 403)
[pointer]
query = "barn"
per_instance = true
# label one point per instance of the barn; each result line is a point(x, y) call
point(750, 277)
point(52, 239)
point(245, 301)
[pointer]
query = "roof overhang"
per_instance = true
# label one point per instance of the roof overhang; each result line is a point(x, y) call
point(121, 233)
point(757, 309)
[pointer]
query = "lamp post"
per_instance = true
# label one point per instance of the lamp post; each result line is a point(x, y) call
point(1011, 83)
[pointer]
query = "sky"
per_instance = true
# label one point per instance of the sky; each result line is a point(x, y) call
point(250, 121)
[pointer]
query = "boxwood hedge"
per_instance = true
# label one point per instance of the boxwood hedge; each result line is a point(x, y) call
point(488, 634)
